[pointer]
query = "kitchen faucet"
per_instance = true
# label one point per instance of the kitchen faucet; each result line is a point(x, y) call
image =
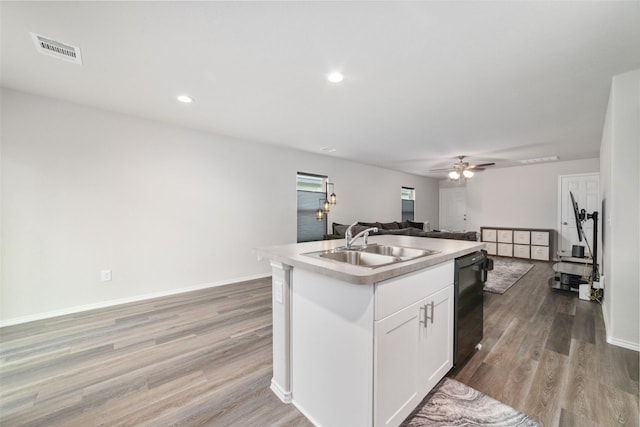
point(365, 233)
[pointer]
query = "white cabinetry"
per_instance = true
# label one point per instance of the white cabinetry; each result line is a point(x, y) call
point(527, 243)
point(413, 346)
point(366, 355)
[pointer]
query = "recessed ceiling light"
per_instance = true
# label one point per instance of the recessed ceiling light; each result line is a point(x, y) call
point(335, 77)
point(184, 98)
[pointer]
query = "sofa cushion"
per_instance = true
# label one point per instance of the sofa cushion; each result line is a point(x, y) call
point(370, 224)
point(390, 225)
point(339, 229)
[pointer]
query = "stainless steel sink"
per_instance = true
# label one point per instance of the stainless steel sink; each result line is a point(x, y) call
point(372, 256)
point(364, 259)
point(398, 251)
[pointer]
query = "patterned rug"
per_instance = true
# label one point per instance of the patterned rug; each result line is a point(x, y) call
point(505, 274)
point(452, 404)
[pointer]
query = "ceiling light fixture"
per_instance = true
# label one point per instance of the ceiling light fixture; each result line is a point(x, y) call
point(335, 77)
point(185, 99)
point(462, 171)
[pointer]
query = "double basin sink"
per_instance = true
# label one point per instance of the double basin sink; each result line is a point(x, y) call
point(373, 255)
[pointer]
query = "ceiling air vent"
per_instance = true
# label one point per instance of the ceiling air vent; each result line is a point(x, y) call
point(57, 49)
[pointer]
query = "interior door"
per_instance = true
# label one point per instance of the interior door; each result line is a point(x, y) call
point(586, 190)
point(453, 209)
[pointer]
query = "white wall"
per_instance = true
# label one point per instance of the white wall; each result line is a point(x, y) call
point(523, 196)
point(165, 208)
point(620, 188)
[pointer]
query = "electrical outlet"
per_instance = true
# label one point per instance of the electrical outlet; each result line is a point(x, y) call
point(105, 275)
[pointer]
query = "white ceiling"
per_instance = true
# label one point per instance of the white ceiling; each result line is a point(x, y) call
point(424, 81)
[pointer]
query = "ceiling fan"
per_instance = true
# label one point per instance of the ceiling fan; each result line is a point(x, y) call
point(462, 170)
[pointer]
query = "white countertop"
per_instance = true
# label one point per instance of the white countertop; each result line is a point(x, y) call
point(293, 255)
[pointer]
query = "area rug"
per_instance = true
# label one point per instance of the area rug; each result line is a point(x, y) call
point(505, 274)
point(452, 403)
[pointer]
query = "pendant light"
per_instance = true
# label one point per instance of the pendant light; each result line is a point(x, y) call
point(332, 198)
point(320, 212)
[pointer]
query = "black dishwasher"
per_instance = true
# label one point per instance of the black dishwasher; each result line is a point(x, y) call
point(469, 278)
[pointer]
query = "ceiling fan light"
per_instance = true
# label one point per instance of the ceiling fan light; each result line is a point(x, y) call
point(454, 174)
point(467, 173)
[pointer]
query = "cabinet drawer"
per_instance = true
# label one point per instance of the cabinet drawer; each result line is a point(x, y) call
point(492, 248)
point(521, 237)
point(505, 249)
point(521, 251)
point(540, 238)
point(488, 235)
point(505, 236)
point(395, 294)
point(540, 252)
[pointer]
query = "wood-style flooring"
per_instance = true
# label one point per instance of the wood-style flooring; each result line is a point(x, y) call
point(200, 358)
point(204, 358)
point(545, 354)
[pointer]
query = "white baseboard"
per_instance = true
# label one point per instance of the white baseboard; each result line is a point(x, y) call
point(285, 396)
point(110, 303)
point(615, 341)
point(623, 343)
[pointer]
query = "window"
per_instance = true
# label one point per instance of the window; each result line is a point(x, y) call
point(408, 197)
point(311, 191)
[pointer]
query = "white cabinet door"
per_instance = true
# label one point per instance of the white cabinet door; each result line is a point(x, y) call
point(413, 351)
point(396, 363)
point(436, 338)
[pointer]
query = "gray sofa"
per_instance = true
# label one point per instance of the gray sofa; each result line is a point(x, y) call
point(405, 228)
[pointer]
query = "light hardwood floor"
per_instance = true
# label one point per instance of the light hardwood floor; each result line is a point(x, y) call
point(204, 358)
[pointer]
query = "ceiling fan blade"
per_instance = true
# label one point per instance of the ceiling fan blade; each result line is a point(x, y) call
point(440, 170)
point(481, 165)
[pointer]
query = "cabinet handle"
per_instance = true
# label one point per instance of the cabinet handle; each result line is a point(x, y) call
point(426, 317)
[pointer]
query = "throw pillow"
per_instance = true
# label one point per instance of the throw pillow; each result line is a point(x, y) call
point(412, 224)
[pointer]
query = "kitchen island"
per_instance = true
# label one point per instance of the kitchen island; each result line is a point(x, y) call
point(357, 346)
